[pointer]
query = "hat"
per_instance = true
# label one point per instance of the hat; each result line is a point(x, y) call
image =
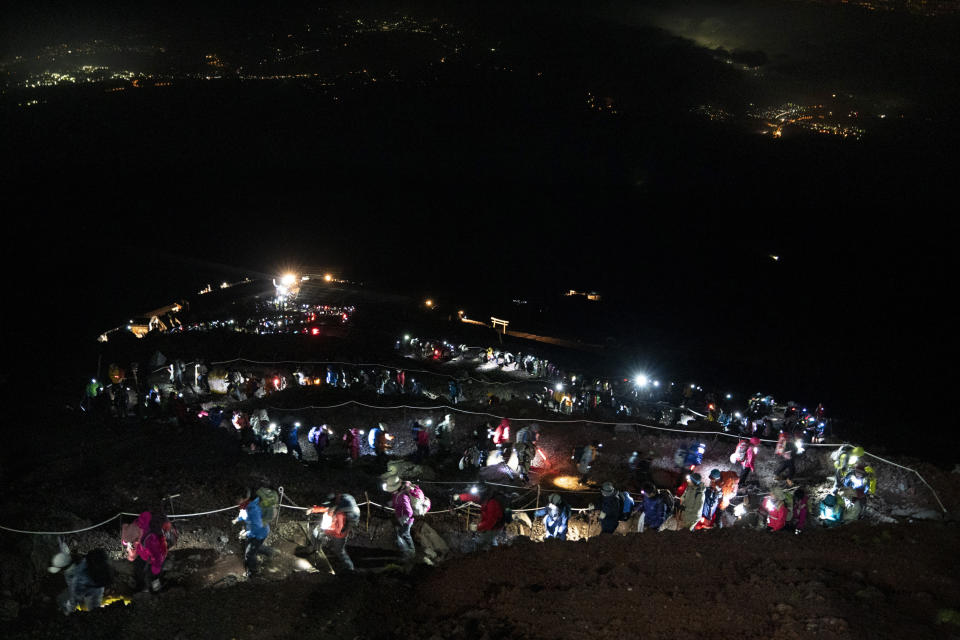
point(695, 478)
point(754, 441)
point(715, 474)
point(60, 561)
point(607, 489)
point(391, 483)
point(555, 499)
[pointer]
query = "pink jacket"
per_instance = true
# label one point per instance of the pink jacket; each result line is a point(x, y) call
point(748, 459)
point(402, 510)
point(152, 547)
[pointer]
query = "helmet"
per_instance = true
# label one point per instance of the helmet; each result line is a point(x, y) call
point(754, 440)
point(857, 451)
point(391, 483)
point(830, 500)
point(695, 478)
point(868, 469)
point(715, 474)
point(607, 489)
point(555, 499)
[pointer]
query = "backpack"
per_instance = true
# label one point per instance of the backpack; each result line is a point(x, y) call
point(347, 505)
point(269, 503)
point(626, 505)
point(418, 502)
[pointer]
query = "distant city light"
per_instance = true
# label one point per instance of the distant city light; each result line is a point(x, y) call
point(328, 277)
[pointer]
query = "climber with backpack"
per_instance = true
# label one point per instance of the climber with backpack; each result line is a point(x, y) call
point(495, 514)
point(257, 508)
point(744, 455)
point(340, 515)
point(408, 502)
point(615, 507)
point(151, 551)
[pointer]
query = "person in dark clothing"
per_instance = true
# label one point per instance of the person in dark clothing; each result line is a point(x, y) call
point(655, 508)
point(319, 437)
point(556, 516)
point(292, 440)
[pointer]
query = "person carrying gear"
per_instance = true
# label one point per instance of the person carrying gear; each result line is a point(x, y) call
point(340, 514)
point(405, 495)
point(381, 444)
point(615, 507)
point(861, 481)
point(556, 516)
point(444, 434)
point(528, 435)
point(352, 438)
point(422, 437)
point(319, 437)
point(799, 510)
point(690, 507)
point(501, 435)
point(588, 455)
point(292, 440)
point(831, 512)
point(493, 517)
point(712, 496)
point(776, 508)
point(745, 455)
point(86, 580)
point(655, 508)
point(844, 460)
point(256, 528)
point(151, 552)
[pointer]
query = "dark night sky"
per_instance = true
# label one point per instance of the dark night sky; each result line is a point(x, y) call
point(498, 190)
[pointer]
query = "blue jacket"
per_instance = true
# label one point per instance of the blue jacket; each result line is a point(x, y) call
point(254, 523)
point(556, 524)
point(654, 512)
point(610, 506)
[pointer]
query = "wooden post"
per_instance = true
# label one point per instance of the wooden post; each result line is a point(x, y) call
point(367, 498)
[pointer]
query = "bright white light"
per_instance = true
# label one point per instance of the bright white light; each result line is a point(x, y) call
point(474, 490)
point(326, 521)
point(729, 395)
point(559, 387)
point(736, 414)
point(656, 383)
point(799, 446)
point(296, 424)
point(288, 279)
point(853, 459)
point(739, 510)
point(406, 337)
point(693, 386)
point(641, 380)
point(429, 422)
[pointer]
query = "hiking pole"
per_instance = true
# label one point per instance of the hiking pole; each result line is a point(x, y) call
point(276, 518)
point(367, 498)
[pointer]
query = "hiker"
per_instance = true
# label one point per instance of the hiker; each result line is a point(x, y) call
point(292, 440)
point(787, 467)
point(408, 501)
point(845, 459)
point(444, 434)
point(831, 513)
point(799, 510)
point(422, 437)
point(86, 580)
point(256, 525)
point(151, 552)
point(655, 508)
point(587, 456)
point(745, 455)
point(341, 514)
point(861, 479)
point(319, 437)
point(690, 507)
point(501, 435)
point(381, 444)
point(712, 495)
point(493, 518)
point(352, 438)
point(615, 507)
point(556, 516)
point(528, 435)
point(776, 510)
point(525, 453)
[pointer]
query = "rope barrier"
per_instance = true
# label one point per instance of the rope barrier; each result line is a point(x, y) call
point(62, 533)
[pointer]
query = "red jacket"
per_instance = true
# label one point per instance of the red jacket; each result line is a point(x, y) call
point(491, 513)
point(748, 459)
point(778, 517)
point(502, 433)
